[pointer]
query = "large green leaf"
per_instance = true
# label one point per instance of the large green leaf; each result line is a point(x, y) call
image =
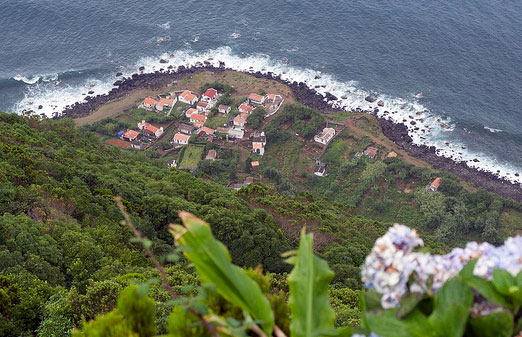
point(213, 265)
point(451, 308)
point(385, 323)
point(504, 281)
point(308, 282)
point(483, 286)
point(498, 324)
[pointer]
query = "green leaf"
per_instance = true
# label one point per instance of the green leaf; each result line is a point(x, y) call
point(503, 281)
point(408, 302)
point(451, 308)
point(519, 278)
point(486, 289)
point(213, 264)
point(386, 324)
point(497, 324)
point(309, 304)
point(467, 270)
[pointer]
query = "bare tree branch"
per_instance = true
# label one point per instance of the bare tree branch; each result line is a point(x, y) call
point(159, 267)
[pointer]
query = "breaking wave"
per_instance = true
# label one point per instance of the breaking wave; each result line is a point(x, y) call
point(36, 78)
point(424, 126)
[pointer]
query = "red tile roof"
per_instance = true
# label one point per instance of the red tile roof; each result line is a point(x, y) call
point(255, 97)
point(436, 183)
point(166, 101)
point(131, 134)
point(187, 95)
point(149, 101)
point(207, 130)
point(198, 117)
point(211, 92)
point(181, 137)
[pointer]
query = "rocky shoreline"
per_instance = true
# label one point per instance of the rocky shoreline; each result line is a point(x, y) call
point(398, 133)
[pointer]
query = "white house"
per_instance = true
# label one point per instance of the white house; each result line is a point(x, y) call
point(256, 99)
point(148, 103)
point(197, 118)
point(180, 138)
point(224, 109)
point(325, 136)
point(236, 133)
point(203, 106)
point(320, 169)
point(210, 95)
point(190, 112)
point(239, 121)
point(188, 98)
point(258, 143)
point(245, 108)
point(150, 130)
point(166, 103)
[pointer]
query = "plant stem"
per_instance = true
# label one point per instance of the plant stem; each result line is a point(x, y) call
point(159, 267)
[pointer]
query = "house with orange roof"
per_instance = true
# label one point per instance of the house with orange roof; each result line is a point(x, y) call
point(245, 108)
point(391, 155)
point(148, 103)
point(190, 111)
point(188, 97)
point(197, 118)
point(256, 99)
point(239, 121)
point(434, 186)
point(130, 135)
point(210, 95)
point(325, 136)
point(270, 98)
point(165, 103)
point(208, 131)
point(180, 138)
point(203, 106)
point(224, 109)
point(150, 130)
point(255, 163)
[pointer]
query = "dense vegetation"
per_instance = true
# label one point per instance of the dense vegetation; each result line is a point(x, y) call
point(60, 234)
point(65, 256)
point(294, 118)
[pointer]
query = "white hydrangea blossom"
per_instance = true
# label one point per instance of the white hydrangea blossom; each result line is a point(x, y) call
point(392, 262)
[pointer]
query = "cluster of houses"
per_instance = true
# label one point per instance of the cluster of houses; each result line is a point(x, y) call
point(146, 133)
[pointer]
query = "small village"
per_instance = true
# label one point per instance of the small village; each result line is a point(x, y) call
point(213, 118)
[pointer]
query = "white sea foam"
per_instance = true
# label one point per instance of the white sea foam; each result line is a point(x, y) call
point(424, 126)
point(36, 78)
point(492, 129)
point(165, 25)
point(235, 35)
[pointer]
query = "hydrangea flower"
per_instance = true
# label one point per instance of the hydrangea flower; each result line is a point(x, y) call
point(391, 263)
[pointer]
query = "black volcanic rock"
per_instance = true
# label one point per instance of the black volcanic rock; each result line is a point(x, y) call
point(370, 98)
point(141, 68)
point(164, 61)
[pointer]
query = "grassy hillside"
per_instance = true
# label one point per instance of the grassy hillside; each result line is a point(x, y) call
point(65, 255)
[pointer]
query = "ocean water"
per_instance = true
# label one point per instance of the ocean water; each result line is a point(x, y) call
point(444, 63)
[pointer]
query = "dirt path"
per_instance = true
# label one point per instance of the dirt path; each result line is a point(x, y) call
point(114, 108)
point(388, 144)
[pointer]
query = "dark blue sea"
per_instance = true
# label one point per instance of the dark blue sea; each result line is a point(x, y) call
point(453, 67)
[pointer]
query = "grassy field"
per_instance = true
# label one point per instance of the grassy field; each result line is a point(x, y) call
point(217, 121)
point(191, 156)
